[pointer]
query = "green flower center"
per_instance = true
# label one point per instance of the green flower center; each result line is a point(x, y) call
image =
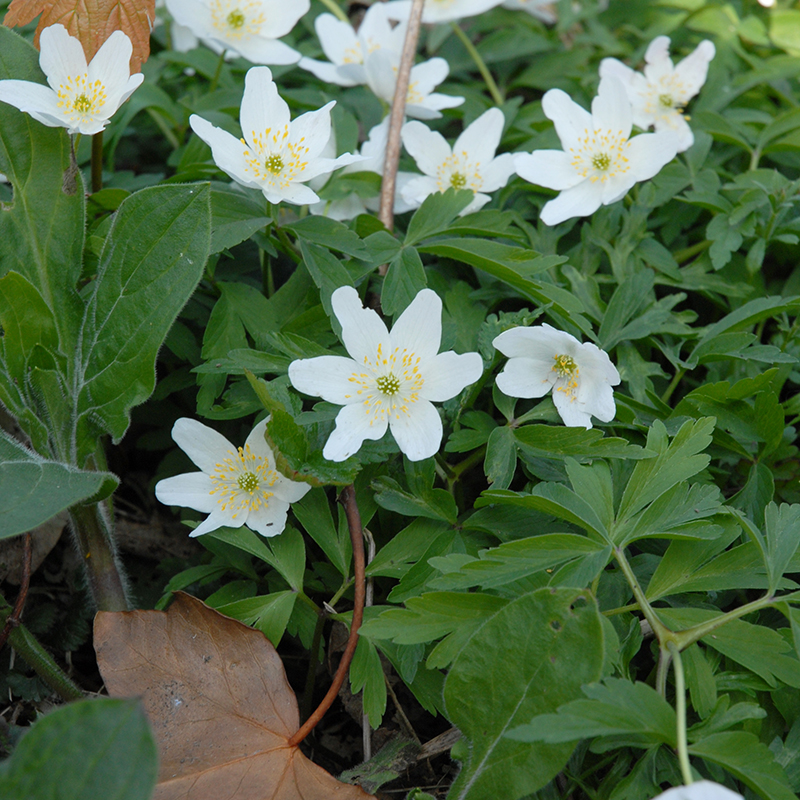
point(247, 482)
point(565, 365)
point(458, 180)
point(274, 164)
point(601, 161)
point(236, 19)
point(665, 100)
point(388, 384)
point(82, 103)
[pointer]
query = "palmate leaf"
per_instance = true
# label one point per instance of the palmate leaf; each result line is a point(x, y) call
point(91, 21)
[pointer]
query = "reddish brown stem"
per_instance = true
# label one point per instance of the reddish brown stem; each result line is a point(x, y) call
point(25, 581)
point(386, 213)
point(348, 500)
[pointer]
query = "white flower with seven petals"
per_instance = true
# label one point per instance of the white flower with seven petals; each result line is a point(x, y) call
point(390, 380)
point(599, 163)
point(541, 358)
point(346, 48)
point(80, 98)
point(275, 155)
point(250, 28)
point(699, 790)
point(441, 10)
point(659, 96)
point(470, 164)
point(236, 486)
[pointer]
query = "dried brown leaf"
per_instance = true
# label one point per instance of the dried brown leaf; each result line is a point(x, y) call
point(91, 21)
point(221, 708)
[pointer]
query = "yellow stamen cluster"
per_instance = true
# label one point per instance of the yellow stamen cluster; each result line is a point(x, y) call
point(387, 385)
point(81, 100)
point(273, 159)
point(242, 481)
point(665, 98)
point(567, 371)
point(600, 155)
point(458, 172)
point(236, 20)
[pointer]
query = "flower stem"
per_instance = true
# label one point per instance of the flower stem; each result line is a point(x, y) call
point(333, 7)
point(348, 500)
point(217, 72)
point(494, 91)
point(676, 379)
point(97, 161)
point(680, 713)
point(93, 534)
point(390, 164)
point(14, 617)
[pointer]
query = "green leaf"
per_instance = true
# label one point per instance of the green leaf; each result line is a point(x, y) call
point(151, 262)
point(748, 759)
point(550, 441)
point(328, 233)
point(235, 216)
point(437, 211)
point(782, 533)
point(501, 457)
point(92, 748)
point(289, 551)
point(366, 673)
point(433, 503)
point(35, 489)
point(269, 613)
point(314, 514)
point(405, 278)
point(528, 659)
point(614, 707)
point(327, 272)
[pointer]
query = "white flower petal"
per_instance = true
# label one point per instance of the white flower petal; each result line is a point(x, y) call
point(202, 444)
point(258, 444)
point(281, 16)
point(295, 193)
point(572, 122)
point(418, 432)
point(336, 37)
point(578, 201)
point(327, 377)
point(611, 109)
point(262, 107)
point(541, 342)
point(353, 426)
point(649, 152)
point(448, 373)
point(260, 50)
point(699, 790)
point(613, 68)
point(289, 490)
point(61, 56)
point(218, 519)
point(363, 331)
point(330, 73)
point(428, 148)
point(692, 71)
point(417, 188)
point(227, 151)
point(418, 329)
point(39, 101)
point(482, 137)
point(111, 66)
point(525, 378)
point(191, 490)
point(552, 169)
point(270, 519)
point(573, 413)
point(497, 172)
point(312, 131)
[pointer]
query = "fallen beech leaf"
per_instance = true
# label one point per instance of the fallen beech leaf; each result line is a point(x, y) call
point(221, 708)
point(91, 21)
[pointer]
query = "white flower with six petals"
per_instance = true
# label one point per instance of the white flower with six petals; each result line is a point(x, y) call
point(599, 163)
point(250, 28)
point(390, 380)
point(659, 96)
point(80, 98)
point(236, 486)
point(275, 155)
point(470, 164)
point(541, 358)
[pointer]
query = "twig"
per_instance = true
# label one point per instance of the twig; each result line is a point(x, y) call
point(25, 581)
point(348, 500)
point(386, 213)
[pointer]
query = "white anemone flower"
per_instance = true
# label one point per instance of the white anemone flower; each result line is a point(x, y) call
point(236, 486)
point(441, 10)
point(699, 790)
point(390, 380)
point(275, 155)
point(659, 96)
point(80, 98)
point(541, 358)
point(599, 163)
point(346, 48)
point(249, 28)
point(470, 164)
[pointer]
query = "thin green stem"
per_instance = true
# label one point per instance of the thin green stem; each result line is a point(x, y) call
point(664, 658)
point(676, 379)
point(308, 691)
point(680, 713)
point(494, 91)
point(681, 256)
point(217, 72)
point(164, 127)
point(97, 161)
point(333, 7)
point(346, 584)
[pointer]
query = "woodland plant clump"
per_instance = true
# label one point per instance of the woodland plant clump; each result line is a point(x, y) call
point(501, 302)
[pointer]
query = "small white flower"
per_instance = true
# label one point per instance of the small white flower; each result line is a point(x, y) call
point(250, 28)
point(700, 790)
point(390, 380)
point(237, 486)
point(599, 163)
point(470, 164)
point(441, 10)
point(346, 48)
point(541, 358)
point(275, 155)
point(81, 98)
point(541, 9)
point(659, 96)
